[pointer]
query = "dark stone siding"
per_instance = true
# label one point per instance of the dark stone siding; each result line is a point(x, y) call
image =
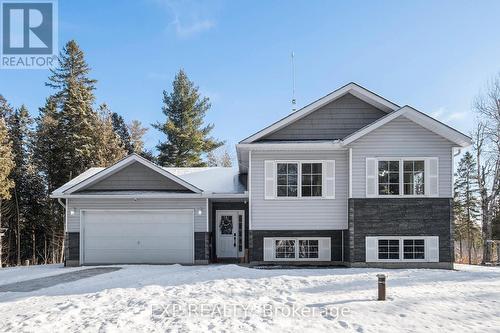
point(400, 217)
point(72, 246)
point(256, 249)
point(201, 246)
point(237, 205)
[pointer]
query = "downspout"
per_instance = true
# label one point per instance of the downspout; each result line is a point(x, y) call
point(63, 259)
point(60, 201)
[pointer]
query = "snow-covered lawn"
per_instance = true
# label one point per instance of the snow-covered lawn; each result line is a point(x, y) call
point(233, 298)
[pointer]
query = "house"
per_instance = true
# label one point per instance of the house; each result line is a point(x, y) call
point(351, 179)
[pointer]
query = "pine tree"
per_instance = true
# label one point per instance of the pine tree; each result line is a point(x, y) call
point(47, 149)
point(19, 126)
point(71, 73)
point(187, 137)
point(6, 166)
point(108, 143)
point(122, 131)
point(137, 133)
point(466, 200)
point(5, 109)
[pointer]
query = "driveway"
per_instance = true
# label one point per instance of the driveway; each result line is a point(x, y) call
point(50, 281)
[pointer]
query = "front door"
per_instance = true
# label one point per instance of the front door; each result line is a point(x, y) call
point(227, 234)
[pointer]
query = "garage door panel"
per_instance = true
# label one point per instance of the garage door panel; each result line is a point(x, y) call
point(138, 237)
point(127, 243)
point(130, 257)
point(138, 229)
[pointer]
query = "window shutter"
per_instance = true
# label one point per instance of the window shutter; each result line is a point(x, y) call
point(371, 177)
point(269, 182)
point(432, 248)
point(329, 179)
point(371, 249)
point(325, 252)
point(432, 172)
point(268, 249)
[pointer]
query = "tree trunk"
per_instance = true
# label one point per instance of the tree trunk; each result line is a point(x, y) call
point(45, 249)
point(486, 229)
point(33, 254)
point(460, 247)
point(53, 246)
point(18, 233)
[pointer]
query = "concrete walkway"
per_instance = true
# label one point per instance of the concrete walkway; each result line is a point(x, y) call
point(50, 281)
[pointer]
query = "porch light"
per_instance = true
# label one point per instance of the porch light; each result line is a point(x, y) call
point(72, 212)
point(200, 211)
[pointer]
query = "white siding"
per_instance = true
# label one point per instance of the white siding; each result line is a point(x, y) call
point(298, 214)
point(401, 138)
point(75, 205)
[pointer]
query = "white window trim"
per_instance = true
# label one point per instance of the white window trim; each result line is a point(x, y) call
point(296, 239)
point(401, 248)
point(401, 177)
point(299, 180)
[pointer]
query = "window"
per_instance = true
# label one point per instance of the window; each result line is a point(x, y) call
point(226, 225)
point(287, 174)
point(413, 177)
point(312, 179)
point(402, 249)
point(309, 248)
point(297, 249)
point(414, 249)
point(401, 177)
point(388, 177)
point(240, 232)
point(388, 248)
point(285, 248)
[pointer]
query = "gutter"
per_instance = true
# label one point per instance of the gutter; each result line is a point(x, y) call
point(152, 196)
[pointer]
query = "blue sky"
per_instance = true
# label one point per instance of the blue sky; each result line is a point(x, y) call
point(432, 55)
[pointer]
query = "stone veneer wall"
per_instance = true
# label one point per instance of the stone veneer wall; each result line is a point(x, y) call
point(400, 217)
point(256, 242)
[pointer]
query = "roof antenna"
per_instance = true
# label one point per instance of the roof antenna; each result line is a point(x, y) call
point(294, 101)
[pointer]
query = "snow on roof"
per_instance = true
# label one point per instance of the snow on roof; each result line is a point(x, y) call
point(211, 179)
point(208, 179)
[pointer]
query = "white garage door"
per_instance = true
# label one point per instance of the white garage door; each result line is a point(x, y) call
point(138, 237)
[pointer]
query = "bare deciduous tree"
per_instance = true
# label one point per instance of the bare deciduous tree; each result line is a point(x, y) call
point(487, 148)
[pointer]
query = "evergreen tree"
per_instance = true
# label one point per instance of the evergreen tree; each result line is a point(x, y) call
point(19, 126)
point(122, 131)
point(47, 149)
point(108, 143)
point(6, 166)
point(466, 200)
point(71, 73)
point(5, 109)
point(88, 136)
point(137, 133)
point(187, 137)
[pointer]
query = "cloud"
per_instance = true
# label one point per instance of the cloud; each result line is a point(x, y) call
point(456, 116)
point(189, 18)
point(442, 114)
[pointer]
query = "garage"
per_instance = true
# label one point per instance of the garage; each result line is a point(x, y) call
point(137, 237)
